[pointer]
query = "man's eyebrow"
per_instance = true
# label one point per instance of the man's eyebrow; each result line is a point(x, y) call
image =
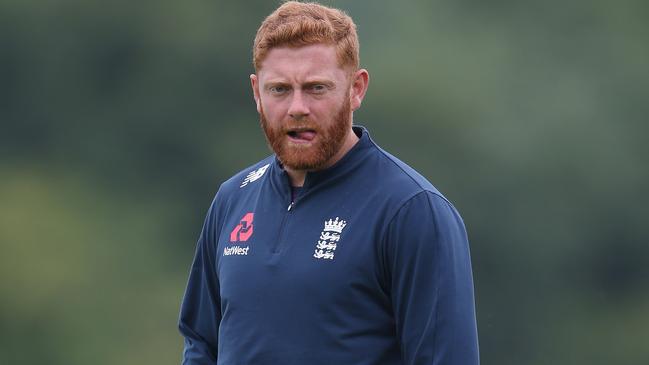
point(276, 83)
point(277, 80)
point(326, 83)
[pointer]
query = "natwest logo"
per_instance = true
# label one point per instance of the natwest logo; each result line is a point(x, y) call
point(243, 230)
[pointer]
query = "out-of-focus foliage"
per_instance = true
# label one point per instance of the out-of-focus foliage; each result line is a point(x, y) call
point(119, 120)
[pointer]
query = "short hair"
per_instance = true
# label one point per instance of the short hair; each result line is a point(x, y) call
point(296, 24)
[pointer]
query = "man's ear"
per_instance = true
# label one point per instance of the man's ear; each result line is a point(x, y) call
point(360, 82)
point(254, 82)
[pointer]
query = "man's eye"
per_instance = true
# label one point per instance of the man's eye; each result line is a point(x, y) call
point(277, 89)
point(318, 88)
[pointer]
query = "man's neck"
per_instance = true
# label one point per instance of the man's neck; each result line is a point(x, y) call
point(297, 177)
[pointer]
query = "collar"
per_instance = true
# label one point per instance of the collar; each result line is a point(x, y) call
point(315, 179)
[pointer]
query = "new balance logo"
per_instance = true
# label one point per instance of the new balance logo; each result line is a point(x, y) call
point(254, 175)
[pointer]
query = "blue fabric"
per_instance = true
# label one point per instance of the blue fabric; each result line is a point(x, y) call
point(369, 266)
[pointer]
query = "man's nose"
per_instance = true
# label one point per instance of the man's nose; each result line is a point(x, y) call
point(298, 108)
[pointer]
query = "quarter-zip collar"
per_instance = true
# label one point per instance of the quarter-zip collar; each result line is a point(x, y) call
point(314, 179)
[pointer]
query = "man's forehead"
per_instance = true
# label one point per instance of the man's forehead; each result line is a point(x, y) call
point(317, 61)
point(272, 76)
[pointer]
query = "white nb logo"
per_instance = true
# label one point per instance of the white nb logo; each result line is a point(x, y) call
point(254, 175)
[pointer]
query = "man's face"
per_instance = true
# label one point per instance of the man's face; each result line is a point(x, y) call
point(303, 98)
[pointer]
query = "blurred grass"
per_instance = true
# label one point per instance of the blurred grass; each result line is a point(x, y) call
point(84, 273)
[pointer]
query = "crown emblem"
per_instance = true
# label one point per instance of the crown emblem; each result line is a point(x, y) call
point(334, 225)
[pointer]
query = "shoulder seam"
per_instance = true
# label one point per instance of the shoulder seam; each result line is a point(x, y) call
point(402, 205)
point(397, 165)
point(408, 200)
point(423, 188)
point(234, 179)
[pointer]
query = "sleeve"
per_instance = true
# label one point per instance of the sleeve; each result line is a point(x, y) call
point(200, 312)
point(431, 283)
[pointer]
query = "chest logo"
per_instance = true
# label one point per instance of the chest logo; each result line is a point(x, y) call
point(254, 175)
point(329, 238)
point(241, 233)
point(244, 229)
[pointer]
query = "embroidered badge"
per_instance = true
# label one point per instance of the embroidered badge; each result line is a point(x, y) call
point(254, 175)
point(329, 238)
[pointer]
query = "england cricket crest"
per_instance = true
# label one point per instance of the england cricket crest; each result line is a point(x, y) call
point(329, 237)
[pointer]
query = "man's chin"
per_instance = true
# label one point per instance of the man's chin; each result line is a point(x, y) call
point(301, 158)
point(301, 164)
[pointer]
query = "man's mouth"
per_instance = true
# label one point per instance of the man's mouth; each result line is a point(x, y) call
point(302, 135)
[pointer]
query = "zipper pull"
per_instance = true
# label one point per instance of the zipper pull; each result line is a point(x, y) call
point(290, 206)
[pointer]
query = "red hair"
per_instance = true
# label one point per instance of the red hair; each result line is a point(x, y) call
point(296, 24)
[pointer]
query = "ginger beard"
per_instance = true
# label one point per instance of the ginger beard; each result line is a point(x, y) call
point(315, 155)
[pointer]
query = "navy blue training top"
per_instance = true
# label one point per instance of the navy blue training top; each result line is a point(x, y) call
point(368, 265)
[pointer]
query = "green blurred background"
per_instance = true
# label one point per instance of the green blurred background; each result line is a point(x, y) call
point(120, 119)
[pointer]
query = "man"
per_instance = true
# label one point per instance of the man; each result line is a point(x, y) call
point(331, 251)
